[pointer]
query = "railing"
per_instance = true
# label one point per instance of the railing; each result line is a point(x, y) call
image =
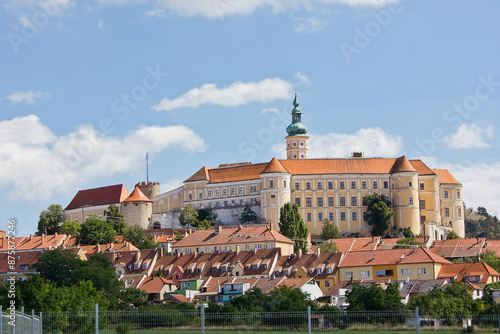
point(205, 320)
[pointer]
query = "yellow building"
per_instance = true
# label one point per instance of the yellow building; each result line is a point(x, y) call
point(427, 201)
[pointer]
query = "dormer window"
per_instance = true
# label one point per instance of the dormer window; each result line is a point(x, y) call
point(328, 270)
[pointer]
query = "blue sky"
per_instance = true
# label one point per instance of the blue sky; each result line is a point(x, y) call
point(88, 87)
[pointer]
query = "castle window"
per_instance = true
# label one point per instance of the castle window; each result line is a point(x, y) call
point(190, 196)
point(297, 201)
point(242, 190)
point(342, 201)
point(353, 201)
point(320, 216)
point(422, 186)
point(224, 192)
point(330, 216)
point(330, 201)
point(297, 186)
point(342, 216)
point(458, 194)
point(354, 216)
point(200, 195)
point(308, 202)
point(308, 185)
point(353, 184)
point(410, 200)
point(284, 183)
point(253, 189)
point(365, 215)
point(217, 193)
point(330, 185)
point(301, 144)
point(342, 185)
point(386, 184)
point(320, 201)
point(233, 190)
point(210, 193)
point(446, 194)
point(446, 212)
point(375, 184)
point(302, 156)
point(422, 204)
point(273, 196)
point(294, 144)
point(363, 184)
point(309, 216)
point(410, 183)
point(320, 185)
point(459, 210)
point(271, 183)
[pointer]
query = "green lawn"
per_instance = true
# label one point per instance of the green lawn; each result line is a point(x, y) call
point(109, 331)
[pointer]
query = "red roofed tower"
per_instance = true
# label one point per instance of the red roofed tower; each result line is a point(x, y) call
point(137, 209)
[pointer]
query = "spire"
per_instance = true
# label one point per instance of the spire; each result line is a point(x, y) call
point(296, 128)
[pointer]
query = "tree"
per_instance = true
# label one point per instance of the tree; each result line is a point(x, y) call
point(379, 214)
point(292, 225)
point(286, 299)
point(132, 296)
point(56, 266)
point(50, 220)
point(452, 235)
point(188, 216)
point(136, 235)
point(482, 211)
point(490, 258)
point(115, 218)
point(329, 230)
point(374, 298)
point(408, 243)
point(178, 235)
point(205, 224)
point(328, 247)
point(248, 215)
point(207, 214)
point(71, 228)
point(95, 231)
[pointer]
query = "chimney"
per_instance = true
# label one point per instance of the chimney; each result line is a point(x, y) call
point(97, 248)
point(190, 231)
point(318, 252)
point(160, 254)
point(271, 228)
point(137, 255)
point(219, 229)
point(300, 253)
point(240, 227)
point(237, 249)
point(31, 236)
point(43, 238)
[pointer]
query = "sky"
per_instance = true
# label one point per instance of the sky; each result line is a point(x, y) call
point(88, 87)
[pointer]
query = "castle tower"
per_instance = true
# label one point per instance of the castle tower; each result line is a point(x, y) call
point(150, 189)
point(296, 141)
point(137, 209)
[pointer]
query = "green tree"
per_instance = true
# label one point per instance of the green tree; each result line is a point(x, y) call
point(248, 215)
point(95, 231)
point(490, 258)
point(50, 220)
point(137, 236)
point(329, 230)
point(252, 301)
point(482, 211)
point(188, 216)
point(286, 299)
point(374, 297)
point(115, 218)
point(407, 232)
point(379, 214)
point(132, 296)
point(408, 243)
point(292, 225)
point(452, 235)
point(207, 214)
point(56, 266)
point(204, 224)
point(178, 235)
point(71, 228)
point(328, 247)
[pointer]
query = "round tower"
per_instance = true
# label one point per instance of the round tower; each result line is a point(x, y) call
point(137, 209)
point(150, 189)
point(296, 141)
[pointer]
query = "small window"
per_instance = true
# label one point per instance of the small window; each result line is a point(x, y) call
point(363, 184)
point(342, 201)
point(271, 183)
point(365, 216)
point(446, 194)
point(308, 185)
point(210, 193)
point(188, 251)
point(297, 201)
point(200, 195)
point(406, 272)
point(386, 184)
point(459, 211)
point(217, 248)
point(228, 248)
point(242, 190)
point(273, 196)
point(446, 212)
point(422, 186)
point(410, 184)
point(353, 184)
point(330, 201)
point(309, 217)
point(284, 183)
point(354, 216)
point(458, 194)
point(410, 200)
point(327, 283)
point(364, 274)
point(348, 274)
point(353, 201)
point(422, 204)
point(190, 196)
point(422, 271)
point(342, 216)
point(297, 186)
point(342, 185)
point(320, 185)
point(330, 216)
point(258, 246)
point(320, 201)
point(330, 185)
point(269, 246)
point(224, 192)
point(375, 184)
point(320, 216)
point(308, 202)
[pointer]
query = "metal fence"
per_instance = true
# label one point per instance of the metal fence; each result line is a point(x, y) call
point(14, 322)
point(203, 321)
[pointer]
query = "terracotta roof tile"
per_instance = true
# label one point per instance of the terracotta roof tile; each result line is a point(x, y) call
point(23, 262)
point(402, 165)
point(445, 176)
point(99, 196)
point(390, 256)
point(339, 166)
point(274, 166)
point(154, 284)
point(458, 248)
point(137, 196)
point(458, 270)
point(236, 173)
point(201, 174)
point(421, 167)
point(345, 245)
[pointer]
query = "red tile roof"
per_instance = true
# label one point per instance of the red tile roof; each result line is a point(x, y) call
point(154, 284)
point(458, 248)
point(274, 167)
point(339, 166)
point(99, 196)
point(345, 245)
point(445, 176)
point(22, 262)
point(200, 175)
point(390, 256)
point(236, 173)
point(459, 270)
point(402, 165)
point(35, 242)
point(137, 196)
point(421, 167)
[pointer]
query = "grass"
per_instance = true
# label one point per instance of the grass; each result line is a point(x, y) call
point(334, 331)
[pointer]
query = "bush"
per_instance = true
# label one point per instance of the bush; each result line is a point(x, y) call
point(123, 328)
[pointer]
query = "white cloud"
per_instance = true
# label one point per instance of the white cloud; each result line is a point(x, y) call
point(28, 96)
point(237, 94)
point(100, 24)
point(272, 110)
point(26, 9)
point(309, 25)
point(37, 164)
point(303, 80)
point(469, 136)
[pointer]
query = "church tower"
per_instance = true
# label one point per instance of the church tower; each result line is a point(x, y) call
point(296, 141)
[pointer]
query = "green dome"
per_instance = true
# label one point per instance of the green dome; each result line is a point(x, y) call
point(296, 128)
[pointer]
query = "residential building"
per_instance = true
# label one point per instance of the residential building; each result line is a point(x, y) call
point(458, 249)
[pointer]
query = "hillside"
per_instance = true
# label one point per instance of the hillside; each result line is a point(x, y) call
point(481, 224)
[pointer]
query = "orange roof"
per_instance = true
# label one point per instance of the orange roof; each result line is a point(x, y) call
point(227, 236)
point(390, 256)
point(445, 176)
point(274, 167)
point(345, 245)
point(421, 168)
point(458, 248)
point(178, 298)
point(22, 262)
point(236, 173)
point(492, 245)
point(35, 242)
point(106, 248)
point(154, 284)
point(137, 196)
point(402, 165)
point(339, 166)
point(458, 270)
point(98, 196)
point(201, 174)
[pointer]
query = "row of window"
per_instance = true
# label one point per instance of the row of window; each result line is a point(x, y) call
point(446, 194)
point(342, 185)
point(225, 192)
point(331, 216)
point(319, 201)
point(384, 273)
point(227, 248)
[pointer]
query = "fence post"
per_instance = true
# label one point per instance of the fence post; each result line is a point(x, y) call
point(418, 320)
point(96, 318)
point(309, 319)
point(1, 319)
point(202, 312)
point(499, 324)
point(41, 323)
point(22, 319)
point(32, 321)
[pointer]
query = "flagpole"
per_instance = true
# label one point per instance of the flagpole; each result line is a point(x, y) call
point(147, 168)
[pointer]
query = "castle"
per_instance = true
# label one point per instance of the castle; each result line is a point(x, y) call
point(428, 201)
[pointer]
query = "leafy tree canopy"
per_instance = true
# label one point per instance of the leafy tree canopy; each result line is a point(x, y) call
point(204, 225)
point(328, 247)
point(248, 215)
point(374, 297)
point(137, 236)
point(408, 243)
point(50, 220)
point(329, 230)
point(452, 235)
point(292, 225)
point(115, 218)
point(71, 228)
point(207, 214)
point(95, 231)
point(379, 214)
point(188, 216)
